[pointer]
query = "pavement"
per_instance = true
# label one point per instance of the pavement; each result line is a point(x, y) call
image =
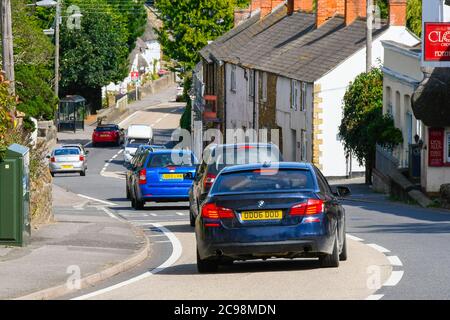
point(83, 242)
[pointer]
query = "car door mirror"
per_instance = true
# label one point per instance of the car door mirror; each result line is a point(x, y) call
point(203, 196)
point(48, 156)
point(87, 151)
point(343, 191)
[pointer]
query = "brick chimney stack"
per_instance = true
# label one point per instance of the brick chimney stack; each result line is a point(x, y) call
point(266, 6)
point(397, 12)
point(354, 9)
point(304, 5)
point(326, 9)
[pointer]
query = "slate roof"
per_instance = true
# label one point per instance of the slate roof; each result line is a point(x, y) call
point(291, 46)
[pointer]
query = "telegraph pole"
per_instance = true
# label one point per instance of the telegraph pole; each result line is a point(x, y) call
point(7, 43)
point(58, 18)
point(369, 28)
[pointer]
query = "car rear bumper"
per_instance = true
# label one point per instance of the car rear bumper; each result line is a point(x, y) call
point(76, 167)
point(308, 247)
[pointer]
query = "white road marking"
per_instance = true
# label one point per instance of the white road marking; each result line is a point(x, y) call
point(114, 156)
point(162, 241)
point(97, 200)
point(354, 238)
point(166, 115)
point(180, 213)
point(394, 279)
point(394, 260)
point(109, 213)
point(176, 253)
point(120, 151)
point(86, 144)
point(375, 297)
point(158, 121)
point(378, 248)
point(126, 119)
point(153, 214)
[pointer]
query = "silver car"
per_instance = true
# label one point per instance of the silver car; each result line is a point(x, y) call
point(68, 159)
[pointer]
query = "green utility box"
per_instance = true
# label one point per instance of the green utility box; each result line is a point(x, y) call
point(15, 226)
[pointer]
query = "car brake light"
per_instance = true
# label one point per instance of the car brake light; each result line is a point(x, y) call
point(209, 180)
point(247, 147)
point(171, 168)
point(212, 211)
point(311, 206)
point(81, 158)
point(52, 159)
point(143, 176)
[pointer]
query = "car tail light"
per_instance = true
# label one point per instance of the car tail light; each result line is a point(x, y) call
point(171, 168)
point(81, 158)
point(52, 159)
point(209, 180)
point(143, 176)
point(212, 211)
point(311, 206)
point(246, 147)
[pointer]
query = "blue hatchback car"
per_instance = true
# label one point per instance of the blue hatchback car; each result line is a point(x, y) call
point(161, 176)
point(281, 210)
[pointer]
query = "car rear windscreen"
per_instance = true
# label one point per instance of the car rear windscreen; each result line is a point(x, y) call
point(67, 152)
point(161, 160)
point(264, 180)
point(242, 155)
point(104, 129)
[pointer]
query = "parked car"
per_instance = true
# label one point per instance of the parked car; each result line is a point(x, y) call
point(255, 212)
point(64, 160)
point(108, 133)
point(136, 135)
point(131, 164)
point(161, 176)
point(217, 157)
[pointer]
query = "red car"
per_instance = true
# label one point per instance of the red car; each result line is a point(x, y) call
point(107, 133)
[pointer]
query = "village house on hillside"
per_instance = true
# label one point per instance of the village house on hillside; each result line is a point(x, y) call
point(286, 67)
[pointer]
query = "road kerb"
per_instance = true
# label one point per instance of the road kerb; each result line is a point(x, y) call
point(91, 280)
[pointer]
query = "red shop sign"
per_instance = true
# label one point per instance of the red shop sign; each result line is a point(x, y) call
point(435, 147)
point(437, 41)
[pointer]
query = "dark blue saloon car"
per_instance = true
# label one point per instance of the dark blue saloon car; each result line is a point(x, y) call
point(281, 210)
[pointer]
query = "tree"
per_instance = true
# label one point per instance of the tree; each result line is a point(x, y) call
point(188, 25)
point(135, 17)
point(414, 16)
point(33, 55)
point(96, 54)
point(37, 98)
point(363, 124)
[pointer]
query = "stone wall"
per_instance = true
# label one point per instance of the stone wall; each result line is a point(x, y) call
point(41, 211)
point(157, 85)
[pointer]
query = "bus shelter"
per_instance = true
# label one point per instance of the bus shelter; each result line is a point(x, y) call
point(71, 113)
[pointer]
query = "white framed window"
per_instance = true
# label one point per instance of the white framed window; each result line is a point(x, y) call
point(303, 97)
point(295, 90)
point(264, 86)
point(251, 83)
point(233, 79)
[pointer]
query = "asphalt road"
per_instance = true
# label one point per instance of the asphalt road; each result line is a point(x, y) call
point(402, 247)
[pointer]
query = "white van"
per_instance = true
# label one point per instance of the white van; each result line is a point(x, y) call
point(136, 135)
